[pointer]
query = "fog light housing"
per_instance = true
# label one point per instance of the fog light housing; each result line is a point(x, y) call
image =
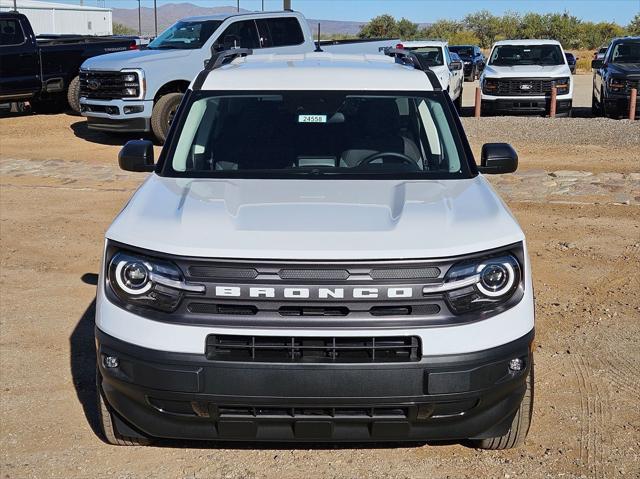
point(516, 364)
point(110, 362)
point(133, 109)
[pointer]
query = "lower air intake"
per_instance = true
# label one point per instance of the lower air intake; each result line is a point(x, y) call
point(313, 349)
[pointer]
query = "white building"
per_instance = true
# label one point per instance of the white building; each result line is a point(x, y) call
point(63, 18)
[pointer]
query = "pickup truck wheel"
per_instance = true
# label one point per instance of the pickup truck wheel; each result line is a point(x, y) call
point(458, 102)
point(519, 426)
point(163, 113)
point(73, 94)
point(595, 106)
point(109, 428)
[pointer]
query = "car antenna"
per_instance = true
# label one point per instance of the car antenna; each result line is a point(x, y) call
point(318, 49)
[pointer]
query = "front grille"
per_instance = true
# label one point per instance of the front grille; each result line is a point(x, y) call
point(523, 87)
point(313, 349)
point(312, 412)
point(109, 85)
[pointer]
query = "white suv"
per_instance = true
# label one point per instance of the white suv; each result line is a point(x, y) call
point(315, 257)
point(436, 55)
point(519, 77)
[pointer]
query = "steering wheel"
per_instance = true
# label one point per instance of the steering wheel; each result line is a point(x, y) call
point(387, 154)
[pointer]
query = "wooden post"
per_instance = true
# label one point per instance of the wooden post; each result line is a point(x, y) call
point(477, 110)
point(633, 99)
point(552, 106)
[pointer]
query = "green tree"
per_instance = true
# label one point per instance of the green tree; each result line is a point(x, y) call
point(484, 25)
point(441, 30)
point(380, 27)
point(407, 30)
point(463, 37)
point(510, 25)
point(120, 29)
point(634, 26)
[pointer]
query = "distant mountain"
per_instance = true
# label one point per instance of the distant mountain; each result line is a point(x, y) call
point(169, 13)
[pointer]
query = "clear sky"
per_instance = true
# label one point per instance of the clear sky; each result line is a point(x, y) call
point(621, 11)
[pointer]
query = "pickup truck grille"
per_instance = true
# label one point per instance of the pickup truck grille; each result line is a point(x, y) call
point(105, 85)
point(313, 349)
point(523, 87)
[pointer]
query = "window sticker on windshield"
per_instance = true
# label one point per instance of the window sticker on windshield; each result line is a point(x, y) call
point(312, 118)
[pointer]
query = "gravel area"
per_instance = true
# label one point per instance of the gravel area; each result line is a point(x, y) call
point(556, 131)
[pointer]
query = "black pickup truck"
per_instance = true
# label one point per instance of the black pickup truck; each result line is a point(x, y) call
point(44, 70)
point(614, 76)
point(472, 59)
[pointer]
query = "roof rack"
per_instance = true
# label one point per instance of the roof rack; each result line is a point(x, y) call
point(226, 56)
point(407, 57)
point(217, 60)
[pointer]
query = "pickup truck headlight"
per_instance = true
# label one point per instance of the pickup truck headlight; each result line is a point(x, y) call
point(490, 86)
point(141, 281)
point(616, 84)
point(479, 284)
point(133, 83)
point(562, 85)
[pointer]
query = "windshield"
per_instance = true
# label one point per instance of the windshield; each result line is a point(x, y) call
point(626, 52)
point(462, 51)
point(510, 55)
point(317, 134)
point(185, 36)
point(431, 56)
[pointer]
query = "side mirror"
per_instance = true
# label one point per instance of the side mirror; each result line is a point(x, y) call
point(136, 155)
point(455, 65)
point(498, 158)
point(217, 47)
point(595, 64)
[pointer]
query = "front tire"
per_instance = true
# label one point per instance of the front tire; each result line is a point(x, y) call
point(73, 95)
point(109, 428)
point(162, 116)
point(519, 426)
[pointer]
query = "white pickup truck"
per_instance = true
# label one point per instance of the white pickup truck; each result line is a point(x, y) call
point(315, 257)
point(140, 91)
point(435, 54)
point(519, 77)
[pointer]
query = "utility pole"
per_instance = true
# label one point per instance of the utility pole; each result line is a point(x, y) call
point(238, 5)
point(263, 5)
point(286, 4)
point(155, 16)
point(15, 5)
point(139, 19)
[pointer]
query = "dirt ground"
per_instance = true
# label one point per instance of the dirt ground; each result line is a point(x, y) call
point(60, 188)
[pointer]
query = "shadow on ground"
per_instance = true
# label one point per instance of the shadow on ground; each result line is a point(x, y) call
point(81, 130)
point(576, 112)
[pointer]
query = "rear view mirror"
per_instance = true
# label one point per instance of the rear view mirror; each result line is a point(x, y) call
point(498, 158)
point(231, 41)
point(136, 155)
point(455, 65)
point(595, 64)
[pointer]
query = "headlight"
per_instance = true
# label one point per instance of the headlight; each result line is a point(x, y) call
point(490, 86)
point(562, 85)
point(479, 284)
point(141, 281)
point(616, 84)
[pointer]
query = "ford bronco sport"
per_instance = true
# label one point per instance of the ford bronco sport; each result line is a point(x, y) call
point(315, 257)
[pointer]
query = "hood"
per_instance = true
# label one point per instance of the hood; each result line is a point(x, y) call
point(535, 71)
point(132, 59)
point(625, 68)
point(315, 219)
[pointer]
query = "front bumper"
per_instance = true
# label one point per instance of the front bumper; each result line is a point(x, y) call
point(117, 115)
point(619, 105)
point(187, 396)
point(492, 105)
